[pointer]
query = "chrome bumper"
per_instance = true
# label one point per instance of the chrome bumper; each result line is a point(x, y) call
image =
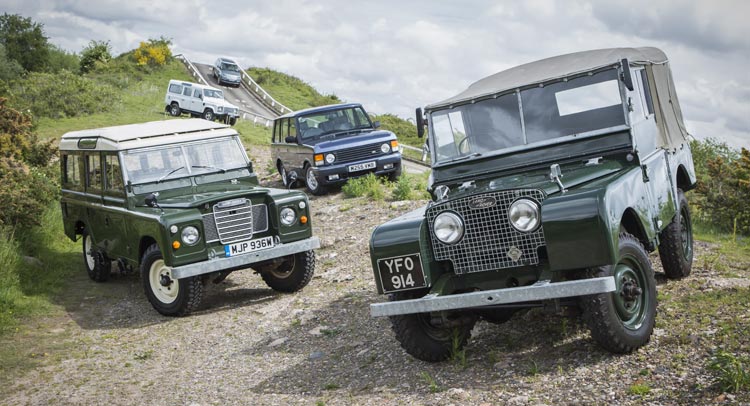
point(220, 264)
point(542, 290)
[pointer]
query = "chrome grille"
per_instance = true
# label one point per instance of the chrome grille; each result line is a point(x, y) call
point(488, 235)
point(228, 227)
point(359, 153)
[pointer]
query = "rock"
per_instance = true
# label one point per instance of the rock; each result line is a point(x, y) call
point(458, 393)
point(277, 342)
point(316, 355)
point(317, 331)
point(32, 261)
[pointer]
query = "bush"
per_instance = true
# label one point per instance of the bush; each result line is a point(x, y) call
point(95, 56)
point(723, 186)
point(732, 373)
point(60, 59)
point(410, 187)
point(368, 186)
point(63, 95)
point(154, 53)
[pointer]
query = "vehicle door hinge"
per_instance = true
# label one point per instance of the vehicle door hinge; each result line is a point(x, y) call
point(644, 169)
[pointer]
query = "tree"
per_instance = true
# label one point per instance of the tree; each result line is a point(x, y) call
point(24, 42)
point(60, 59)
point(96, 55)
point(9, 69)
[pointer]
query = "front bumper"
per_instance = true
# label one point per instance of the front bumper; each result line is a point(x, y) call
point(224, 79)
point(240, 261)
point(323, 173)
point(542, 290)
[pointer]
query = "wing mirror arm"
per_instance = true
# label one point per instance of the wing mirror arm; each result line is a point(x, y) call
point(625, 76)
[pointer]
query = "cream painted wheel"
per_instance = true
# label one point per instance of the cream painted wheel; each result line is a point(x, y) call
point(164, 287)
point(87, 254)
point(98, 266)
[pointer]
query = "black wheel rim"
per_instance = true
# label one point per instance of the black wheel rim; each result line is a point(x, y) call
point(631, 296)
point(686, 233)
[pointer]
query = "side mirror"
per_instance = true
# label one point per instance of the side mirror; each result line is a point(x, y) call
point(151, 200)
point(290, 139)
point(420, 122)
point(627, 78)
point(376, 124)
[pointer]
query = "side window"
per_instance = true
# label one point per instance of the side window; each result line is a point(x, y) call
point(284, 129)
point(646, 92)
point(113, 173)
point(187, 90)
point(93, 172)
point(72, 170)
point(292, 127)
point(197, 93)
point(175, 88)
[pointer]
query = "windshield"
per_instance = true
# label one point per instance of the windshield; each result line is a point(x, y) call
point(213, 93)
point(556, 110)
point(230, 67)
point(175, 161)
point(332, 122)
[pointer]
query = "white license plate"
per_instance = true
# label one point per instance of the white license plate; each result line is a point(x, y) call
point(361, 167)
point(245, 247)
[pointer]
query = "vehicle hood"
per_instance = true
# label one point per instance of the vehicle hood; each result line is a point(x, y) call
point(187, 201)
point(220, 102)
point(344, 141)
point(574, 176)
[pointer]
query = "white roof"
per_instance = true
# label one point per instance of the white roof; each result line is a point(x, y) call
point(193, 84)
point(153, 133)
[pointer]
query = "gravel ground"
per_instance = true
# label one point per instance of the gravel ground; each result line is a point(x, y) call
point(250, 345)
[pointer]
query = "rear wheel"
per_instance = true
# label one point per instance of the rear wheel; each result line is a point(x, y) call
point(98, 266)
point(424, 340)
point(293, 274)
point(622, 321)
point(174, 109)
point(170, 297)
point(676, 242)
point(208, 115)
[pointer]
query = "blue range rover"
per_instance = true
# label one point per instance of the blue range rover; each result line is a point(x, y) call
point(331, 144)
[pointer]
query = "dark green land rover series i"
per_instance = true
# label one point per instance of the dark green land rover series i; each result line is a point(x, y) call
point(551, 183)
point(179, 200)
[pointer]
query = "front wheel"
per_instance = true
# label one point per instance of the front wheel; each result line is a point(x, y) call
point(98, 266)
point(622, 321)
point(208, 115)
point(170, 297)
point(424, 340)
point(313, 185)
point(293, 274)
point(232, 120)
point(676, 243)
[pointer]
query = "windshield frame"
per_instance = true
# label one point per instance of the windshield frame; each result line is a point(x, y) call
point(190, 169)
point(519, 93)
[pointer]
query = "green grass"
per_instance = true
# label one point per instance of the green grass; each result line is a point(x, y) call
point(432, 385)
point(732, 372)
point(640, 389)
point(289, 90)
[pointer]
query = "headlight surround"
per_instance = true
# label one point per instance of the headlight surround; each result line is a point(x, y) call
point(524, 215)
point(330, 158)
point(190, 235)
point(448, 227)
point(287, 216)
point(385, 148)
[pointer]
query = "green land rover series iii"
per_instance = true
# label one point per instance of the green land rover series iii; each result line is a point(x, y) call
point(179, 200)
point(551, 183)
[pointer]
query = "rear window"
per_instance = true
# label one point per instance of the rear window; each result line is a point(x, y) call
point(175, 88)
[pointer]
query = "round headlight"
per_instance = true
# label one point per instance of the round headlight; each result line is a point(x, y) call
point(385, 148)
point(524, 215)
point(449, 228)
point(330, 158)
point(190, 235)
point(288, 216)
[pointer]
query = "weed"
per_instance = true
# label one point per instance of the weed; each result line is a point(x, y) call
point(320, 403)
point(345, 207)
point(533, 368)
point(431, 383)
point(458, 353)
point(365, 186)
point(732, 372)
point(142, 356)
point(296, 322)
point(403, 188)
point(640, 389)
point(331, 386)
point(329, 332)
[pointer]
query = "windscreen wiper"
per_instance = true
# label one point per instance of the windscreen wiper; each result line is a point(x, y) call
point(170, 172)
point(461, 158)
point(222, 170)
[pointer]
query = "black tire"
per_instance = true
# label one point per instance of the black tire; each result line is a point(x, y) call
point(98, 266)
point(676, 242)
point(209, 115)
point(174, 109)
point(232, 120)
point(393, 176)
point(421, 339)
point(622, 321)
point(164, 298)
point(293, 274)
point(313, 185)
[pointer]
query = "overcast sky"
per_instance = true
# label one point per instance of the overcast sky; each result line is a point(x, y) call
point(393, 56)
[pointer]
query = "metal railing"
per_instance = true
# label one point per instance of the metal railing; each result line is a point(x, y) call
point(424, 158)
point(256, 118)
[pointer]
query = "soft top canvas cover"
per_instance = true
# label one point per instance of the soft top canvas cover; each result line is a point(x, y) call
point(668, 112)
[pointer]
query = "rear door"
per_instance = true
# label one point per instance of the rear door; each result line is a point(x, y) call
point(94, 218)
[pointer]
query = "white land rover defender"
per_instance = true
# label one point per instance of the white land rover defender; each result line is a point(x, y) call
point(199, 101)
